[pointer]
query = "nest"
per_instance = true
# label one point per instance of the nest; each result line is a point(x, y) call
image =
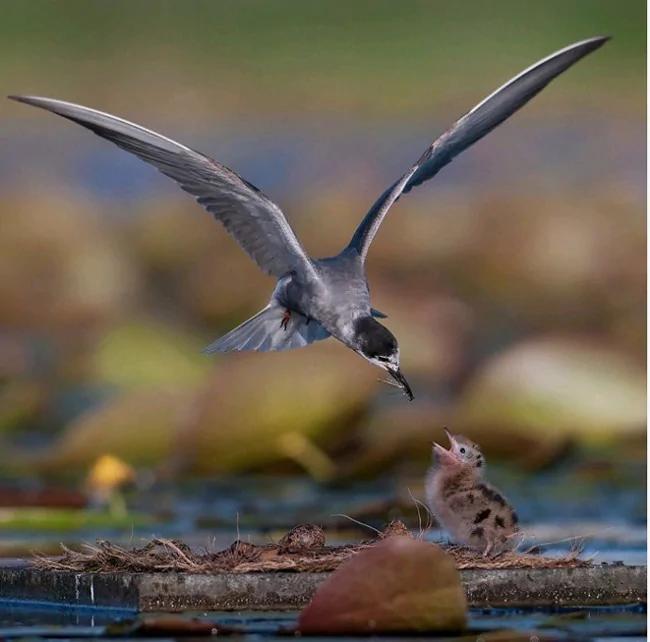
point(302, 549)
point(468, 559)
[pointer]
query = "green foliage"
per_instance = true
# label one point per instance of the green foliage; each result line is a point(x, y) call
point(64, 519)
point(147, 354)
point(323, 52)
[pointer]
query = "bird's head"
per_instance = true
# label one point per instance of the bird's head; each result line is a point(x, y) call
point(461, 453)
point(377, 344)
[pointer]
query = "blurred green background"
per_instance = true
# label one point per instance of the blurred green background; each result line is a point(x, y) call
point(515, 281)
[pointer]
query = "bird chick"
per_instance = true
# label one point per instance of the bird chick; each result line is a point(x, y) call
point(474, 513)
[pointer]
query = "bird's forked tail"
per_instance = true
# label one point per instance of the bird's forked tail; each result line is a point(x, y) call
point(270, 330)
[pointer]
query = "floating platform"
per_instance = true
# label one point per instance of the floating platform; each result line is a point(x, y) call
point(281, 590)
point(166, 575)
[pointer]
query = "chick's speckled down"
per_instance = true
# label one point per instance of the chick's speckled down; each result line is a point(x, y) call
point(472, 511)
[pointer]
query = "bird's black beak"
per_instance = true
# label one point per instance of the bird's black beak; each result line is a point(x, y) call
point(401, 380)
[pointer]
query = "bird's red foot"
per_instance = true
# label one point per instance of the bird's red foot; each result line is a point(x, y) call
point(285, 319)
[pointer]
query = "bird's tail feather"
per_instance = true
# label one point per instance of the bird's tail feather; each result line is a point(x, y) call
point(265, 332)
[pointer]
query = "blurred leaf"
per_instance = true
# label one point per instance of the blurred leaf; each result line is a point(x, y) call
point(558, 386)
point(49, 496)
point(304, 452)
point(254, 400)
point(137, 426)
point(149, 354)
point(236, 421)
point(59, 519)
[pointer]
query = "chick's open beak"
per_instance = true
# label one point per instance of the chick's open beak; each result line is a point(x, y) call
point(444, 455)
point(441, 450)
point(401, 380)
point(447, 455)
point(452, 441)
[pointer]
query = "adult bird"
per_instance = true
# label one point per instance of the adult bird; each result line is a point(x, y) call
point(313, 298)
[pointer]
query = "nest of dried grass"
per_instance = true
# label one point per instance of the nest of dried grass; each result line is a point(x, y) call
point(303, 549)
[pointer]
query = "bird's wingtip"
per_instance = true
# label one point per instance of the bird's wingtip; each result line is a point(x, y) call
point(28, 100)
point(602, 39)
point(596, 41)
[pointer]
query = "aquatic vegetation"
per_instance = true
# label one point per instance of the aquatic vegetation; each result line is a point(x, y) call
point(398, 585)
point(58, 520)
point(552, 385)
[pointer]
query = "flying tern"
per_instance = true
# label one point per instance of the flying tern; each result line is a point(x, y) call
point(313, 298)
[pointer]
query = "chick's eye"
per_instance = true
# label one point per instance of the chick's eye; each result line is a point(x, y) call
point(462, 451)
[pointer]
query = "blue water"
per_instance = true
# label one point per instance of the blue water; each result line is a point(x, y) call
point(284, 158)
point(20, 621)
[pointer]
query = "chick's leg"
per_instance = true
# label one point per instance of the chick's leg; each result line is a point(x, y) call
point(488, 548)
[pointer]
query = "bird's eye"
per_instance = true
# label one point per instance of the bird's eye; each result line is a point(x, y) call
point(462, 451)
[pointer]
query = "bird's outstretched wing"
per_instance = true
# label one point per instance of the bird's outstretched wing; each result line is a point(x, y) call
point(255, 222)
point(478, 122)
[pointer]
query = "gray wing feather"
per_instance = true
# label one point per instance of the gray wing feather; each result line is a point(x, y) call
point(257, 224)
point(478, 122)
point(264, 333)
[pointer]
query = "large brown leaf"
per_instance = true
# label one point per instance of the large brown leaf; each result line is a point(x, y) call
point(399, 585)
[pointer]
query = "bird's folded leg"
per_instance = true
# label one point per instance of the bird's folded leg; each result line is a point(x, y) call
point(488, 549)
point(286, 317)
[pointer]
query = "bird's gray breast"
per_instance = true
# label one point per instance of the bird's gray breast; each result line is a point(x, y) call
point(343, 294)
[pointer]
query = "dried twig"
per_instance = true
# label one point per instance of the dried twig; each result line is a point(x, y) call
point(356, 521)
point(418, 503)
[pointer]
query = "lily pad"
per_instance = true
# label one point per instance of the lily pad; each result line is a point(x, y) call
point(555, 386)
point(138, 426)
point(255, 410)
point(264, 408)
point(399, 585)
point(149, 354)
point(66, 519)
